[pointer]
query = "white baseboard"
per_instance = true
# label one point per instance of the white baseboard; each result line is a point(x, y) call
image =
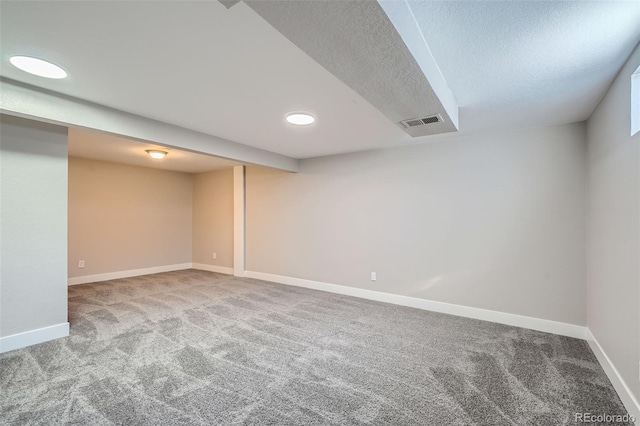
point(212, 268)
point(625, 394)
point(33, 337)
point(127, 274)
point(546, 326)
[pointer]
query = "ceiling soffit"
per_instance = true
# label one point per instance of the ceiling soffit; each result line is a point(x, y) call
point(357, 43)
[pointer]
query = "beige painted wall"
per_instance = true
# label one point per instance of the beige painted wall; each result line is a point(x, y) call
point(213, 218)
point(494, 222)
point(125, 217)
point(613, 278)
point(33, 225)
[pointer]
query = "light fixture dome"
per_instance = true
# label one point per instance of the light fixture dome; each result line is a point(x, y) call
point(156, 154)
point(300, 118)
point(38, 67)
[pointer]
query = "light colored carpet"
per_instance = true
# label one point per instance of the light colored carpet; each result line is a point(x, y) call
point(199, 348)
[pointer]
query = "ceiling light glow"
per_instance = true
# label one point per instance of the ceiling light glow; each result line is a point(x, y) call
point(156, 154)
point(300, 118)
point(37, 67)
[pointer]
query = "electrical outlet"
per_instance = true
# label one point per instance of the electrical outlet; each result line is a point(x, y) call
point(374, 276)
point(81, 264)
point(215, 256)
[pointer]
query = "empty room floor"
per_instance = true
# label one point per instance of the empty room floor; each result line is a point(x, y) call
point(199, 348)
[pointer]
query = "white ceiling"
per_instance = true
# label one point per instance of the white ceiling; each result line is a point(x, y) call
point(356, 41)
point(199, 65)
point(229, 73)
point(101, 146)
point(528, 63)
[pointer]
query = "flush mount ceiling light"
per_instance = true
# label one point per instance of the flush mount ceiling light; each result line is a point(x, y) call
point(37, 67)
point(300, 118)
point(156, 154)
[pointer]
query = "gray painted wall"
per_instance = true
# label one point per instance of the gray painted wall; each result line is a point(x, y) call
point(613, 278)
point(494, 221)
point(33, 225)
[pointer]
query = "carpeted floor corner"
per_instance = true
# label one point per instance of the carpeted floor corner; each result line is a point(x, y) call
point(200, 348)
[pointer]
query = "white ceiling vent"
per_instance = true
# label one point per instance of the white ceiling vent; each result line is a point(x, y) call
point(415, 122)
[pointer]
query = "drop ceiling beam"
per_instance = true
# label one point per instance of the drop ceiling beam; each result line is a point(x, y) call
point(357, 42)
point(402, 18)
point(26, 101)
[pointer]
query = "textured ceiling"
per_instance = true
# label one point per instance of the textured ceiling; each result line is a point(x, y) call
point(356, 42)
point(222, 69)
point(528, 63)
point(199, 65)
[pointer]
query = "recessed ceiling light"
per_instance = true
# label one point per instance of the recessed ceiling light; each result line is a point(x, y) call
point(156, 154)
point(300, 118)
point(38, 67)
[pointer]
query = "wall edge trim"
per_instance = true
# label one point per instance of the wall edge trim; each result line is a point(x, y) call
point(625, 394)
point(538, 324)
point(127, 274)
point(33, 337)
point(213, 268)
